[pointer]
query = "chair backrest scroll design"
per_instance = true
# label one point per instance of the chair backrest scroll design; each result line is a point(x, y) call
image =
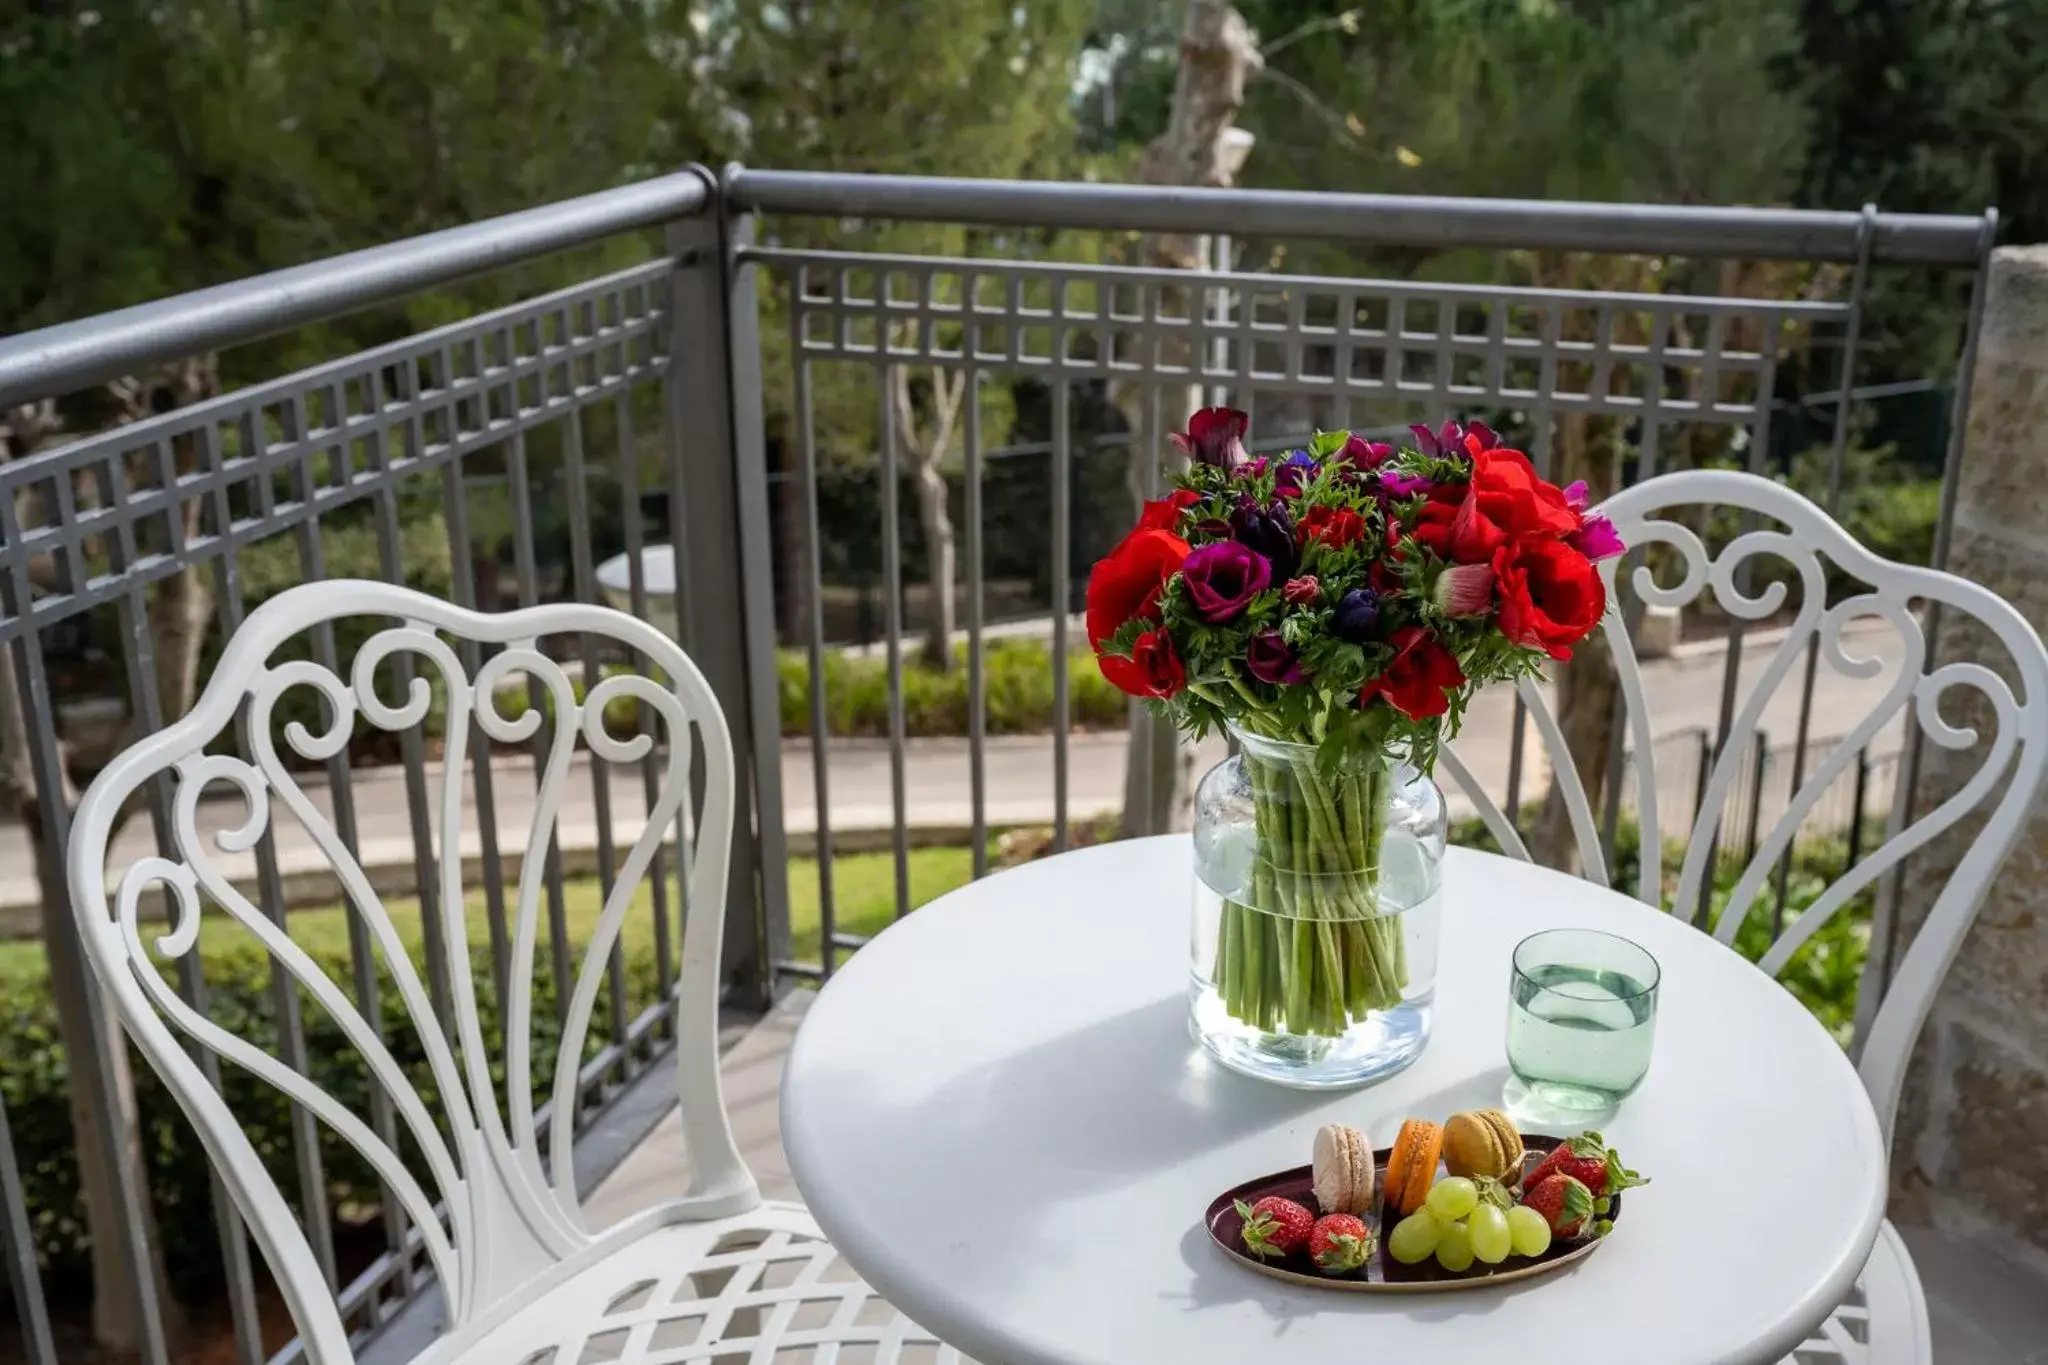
point(490, 1212)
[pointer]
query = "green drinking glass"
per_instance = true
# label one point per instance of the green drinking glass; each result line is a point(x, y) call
point(1582, 1014)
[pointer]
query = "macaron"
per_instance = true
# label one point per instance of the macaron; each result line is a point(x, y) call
point(1411, 1165)
point(1483, 1142)
point(1344, 1170)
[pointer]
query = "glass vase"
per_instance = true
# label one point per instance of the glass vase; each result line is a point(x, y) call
point(1318, 890)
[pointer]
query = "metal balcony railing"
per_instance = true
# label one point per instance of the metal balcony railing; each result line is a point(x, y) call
point(501, 457)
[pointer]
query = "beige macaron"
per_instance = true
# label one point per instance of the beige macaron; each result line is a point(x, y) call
point(1344, 1170)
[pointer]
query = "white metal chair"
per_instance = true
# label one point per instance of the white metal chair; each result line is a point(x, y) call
point(1884, 1321)
point(713, 1275)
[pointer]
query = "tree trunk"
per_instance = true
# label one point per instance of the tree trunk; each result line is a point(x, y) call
point(181, 607)
point(926, 445)
point(1217, 57)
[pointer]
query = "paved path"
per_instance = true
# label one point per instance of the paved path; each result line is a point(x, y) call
point(1684, 690)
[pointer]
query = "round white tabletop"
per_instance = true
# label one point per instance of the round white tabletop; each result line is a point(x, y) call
point(996, 1113)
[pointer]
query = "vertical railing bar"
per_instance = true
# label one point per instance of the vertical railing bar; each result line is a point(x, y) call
point(1731, 667)
point(146, 699)
point(668, 436)
point(341, 795)
point(25, 1280)
point(1245, 395)
point(1062, 594)
point(1144, 730)
point(132, 1231)
point(270, 884)
point(814, 623)
point(227, 1218)
point(650, 766)
point(1760, 767)
point(1295, 340)
point(462, 575)
point(1861, 794)
point(1885, 923)
point(977, 680)
point(1446, 326)
point(1838, 445)
point(1632, 610)
point(67, 959)
point(544, 736)
point(892, 615)
point(1540, 456)
point(584, 574)
point(411, 750)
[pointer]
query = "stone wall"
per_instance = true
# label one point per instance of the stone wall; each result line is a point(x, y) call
point(1971, 1148)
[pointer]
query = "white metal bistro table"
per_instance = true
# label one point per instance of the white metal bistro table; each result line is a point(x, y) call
point(997, 1115)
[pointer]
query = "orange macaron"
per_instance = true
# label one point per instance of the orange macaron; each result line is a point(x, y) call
point(1411, 1165)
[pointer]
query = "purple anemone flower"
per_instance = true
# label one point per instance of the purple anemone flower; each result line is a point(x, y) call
point(1362, 454)
point(1454, 438)
point(1214, 436)
point(1269, 531)
point(1222, 578)
point(1597, 539)
point(1295, 473)
point(1270, 659)
point(1358, 611)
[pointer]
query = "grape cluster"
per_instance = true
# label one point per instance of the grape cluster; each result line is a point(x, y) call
point(1459, 1222)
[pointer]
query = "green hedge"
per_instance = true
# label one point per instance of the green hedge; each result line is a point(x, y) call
point(240, 1000)
point(1018, 673)
point(1823, 975)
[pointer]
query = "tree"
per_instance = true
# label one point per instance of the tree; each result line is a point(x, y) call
point(927, 443)
point(975, 87)
point(1201, 145)
point(1692, 102)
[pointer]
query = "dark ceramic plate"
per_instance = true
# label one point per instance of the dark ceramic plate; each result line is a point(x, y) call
point(1383, 1274)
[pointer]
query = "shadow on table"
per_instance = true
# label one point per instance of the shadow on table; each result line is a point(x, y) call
point(1131, 1095)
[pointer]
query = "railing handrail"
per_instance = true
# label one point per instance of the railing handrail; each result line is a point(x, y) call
point(1379, 219)
point(72, 355)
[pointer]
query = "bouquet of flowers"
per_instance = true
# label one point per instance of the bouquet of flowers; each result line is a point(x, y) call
point(1348, 598)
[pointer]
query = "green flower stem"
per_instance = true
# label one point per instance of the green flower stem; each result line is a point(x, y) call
point(1310, 952)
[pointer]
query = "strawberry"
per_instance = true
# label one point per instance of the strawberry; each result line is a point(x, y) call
point(1589, 1160)
point(1339, 1243)
point(1275, 1228)
point(1563, 1200)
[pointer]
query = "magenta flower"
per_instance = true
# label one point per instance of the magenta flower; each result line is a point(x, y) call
point(1214, 436)
point(1455, 438)
point(1269, 659)
point(1223, 577)
point(1397, 485)
point(1597, 539)
point(1362, 454)
point(1575, 495)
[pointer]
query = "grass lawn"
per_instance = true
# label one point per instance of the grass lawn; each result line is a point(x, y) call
point(864, 887)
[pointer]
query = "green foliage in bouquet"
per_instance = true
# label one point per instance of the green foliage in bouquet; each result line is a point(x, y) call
point(1336, 609)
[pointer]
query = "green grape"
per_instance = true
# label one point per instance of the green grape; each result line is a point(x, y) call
point(1530, 1233)
point(1414, 1237)
point(1452, 1199)
point(1489, 1228)
point(1454, 1248)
